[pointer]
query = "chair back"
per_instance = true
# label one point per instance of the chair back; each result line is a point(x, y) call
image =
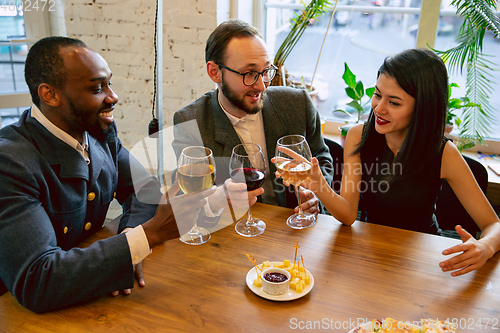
point(450, 212)
point(337, 153)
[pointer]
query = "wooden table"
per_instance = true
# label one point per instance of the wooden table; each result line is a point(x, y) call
point(361, 272)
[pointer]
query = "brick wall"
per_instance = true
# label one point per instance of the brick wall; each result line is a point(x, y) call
point(122, 31)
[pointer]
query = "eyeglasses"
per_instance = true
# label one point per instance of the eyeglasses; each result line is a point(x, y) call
point(249, 78)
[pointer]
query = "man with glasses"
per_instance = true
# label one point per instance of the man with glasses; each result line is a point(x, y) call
point(244, 109)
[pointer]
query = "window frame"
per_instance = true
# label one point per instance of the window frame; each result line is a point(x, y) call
point(37, 25)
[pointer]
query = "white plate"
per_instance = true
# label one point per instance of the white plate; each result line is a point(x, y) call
point(368, 326)
point(288, 296)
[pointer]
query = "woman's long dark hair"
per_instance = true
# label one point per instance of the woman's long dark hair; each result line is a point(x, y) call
point(422, 75)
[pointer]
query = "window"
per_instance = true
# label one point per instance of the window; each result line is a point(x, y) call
point(18, 27)
point(12, 57)
point(362, 34)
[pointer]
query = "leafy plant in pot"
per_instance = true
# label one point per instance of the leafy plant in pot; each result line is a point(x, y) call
point(356, 91)
point(464, 141)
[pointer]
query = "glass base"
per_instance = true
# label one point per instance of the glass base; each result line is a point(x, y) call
point(301, 222)
point(196, 238)
point(251, 230)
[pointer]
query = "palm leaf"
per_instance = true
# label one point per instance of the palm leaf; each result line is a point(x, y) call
point(479, 16)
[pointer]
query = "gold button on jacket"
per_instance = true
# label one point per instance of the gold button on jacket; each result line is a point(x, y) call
point(91, 196)
point(88, 226)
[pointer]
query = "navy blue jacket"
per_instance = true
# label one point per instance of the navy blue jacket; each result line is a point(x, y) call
point(51, 200)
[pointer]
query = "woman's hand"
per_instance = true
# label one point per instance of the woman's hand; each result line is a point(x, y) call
point(474, 254)
point(314, 182)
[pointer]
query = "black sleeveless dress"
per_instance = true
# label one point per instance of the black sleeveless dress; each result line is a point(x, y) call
point(407, 202)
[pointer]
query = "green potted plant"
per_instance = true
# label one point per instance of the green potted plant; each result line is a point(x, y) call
point(464, 141)
point(356, 91)
point(477, 113)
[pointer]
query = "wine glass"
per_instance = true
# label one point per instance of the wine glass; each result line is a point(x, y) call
point(293, 162)
point(247, 165)
point(195, 172)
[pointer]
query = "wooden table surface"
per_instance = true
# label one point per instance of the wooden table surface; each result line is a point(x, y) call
point(361, 272)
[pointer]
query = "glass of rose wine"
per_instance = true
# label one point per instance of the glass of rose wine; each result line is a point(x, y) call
point(247, 165)
point(195, 172)
point(293, 162)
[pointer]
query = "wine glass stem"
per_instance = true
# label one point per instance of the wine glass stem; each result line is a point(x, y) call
point(297, 194)
point(194, 230)
point(250, 218)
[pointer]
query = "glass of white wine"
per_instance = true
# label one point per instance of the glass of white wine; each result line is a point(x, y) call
point(293, 162)
point(196, 172)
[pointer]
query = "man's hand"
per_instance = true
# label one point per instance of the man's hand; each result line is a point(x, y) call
point(236, 193)
point(474, 254)
point(310, 203)
point(239, 196)
point(139, 276)
point(175, 215)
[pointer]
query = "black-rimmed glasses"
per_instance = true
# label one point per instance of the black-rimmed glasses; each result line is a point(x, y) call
point(249, 78)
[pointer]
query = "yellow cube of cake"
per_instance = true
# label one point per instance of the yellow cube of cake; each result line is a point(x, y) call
point(307, 279)
point(266, 264)
point(257, 283)
point(299, 288)
point(286, 263)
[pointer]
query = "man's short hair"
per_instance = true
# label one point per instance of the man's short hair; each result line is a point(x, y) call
point(220, 37)
point(44, 64)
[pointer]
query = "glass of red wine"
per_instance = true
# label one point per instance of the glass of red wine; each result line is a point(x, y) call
point(247, 165)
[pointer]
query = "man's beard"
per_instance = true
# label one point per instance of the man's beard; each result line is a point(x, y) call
point(103, 135)
point(95, 130)
point(233, 99)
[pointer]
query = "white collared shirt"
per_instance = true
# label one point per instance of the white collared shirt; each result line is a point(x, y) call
point(82, 148)
point(136, 238)
point(250, 129)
